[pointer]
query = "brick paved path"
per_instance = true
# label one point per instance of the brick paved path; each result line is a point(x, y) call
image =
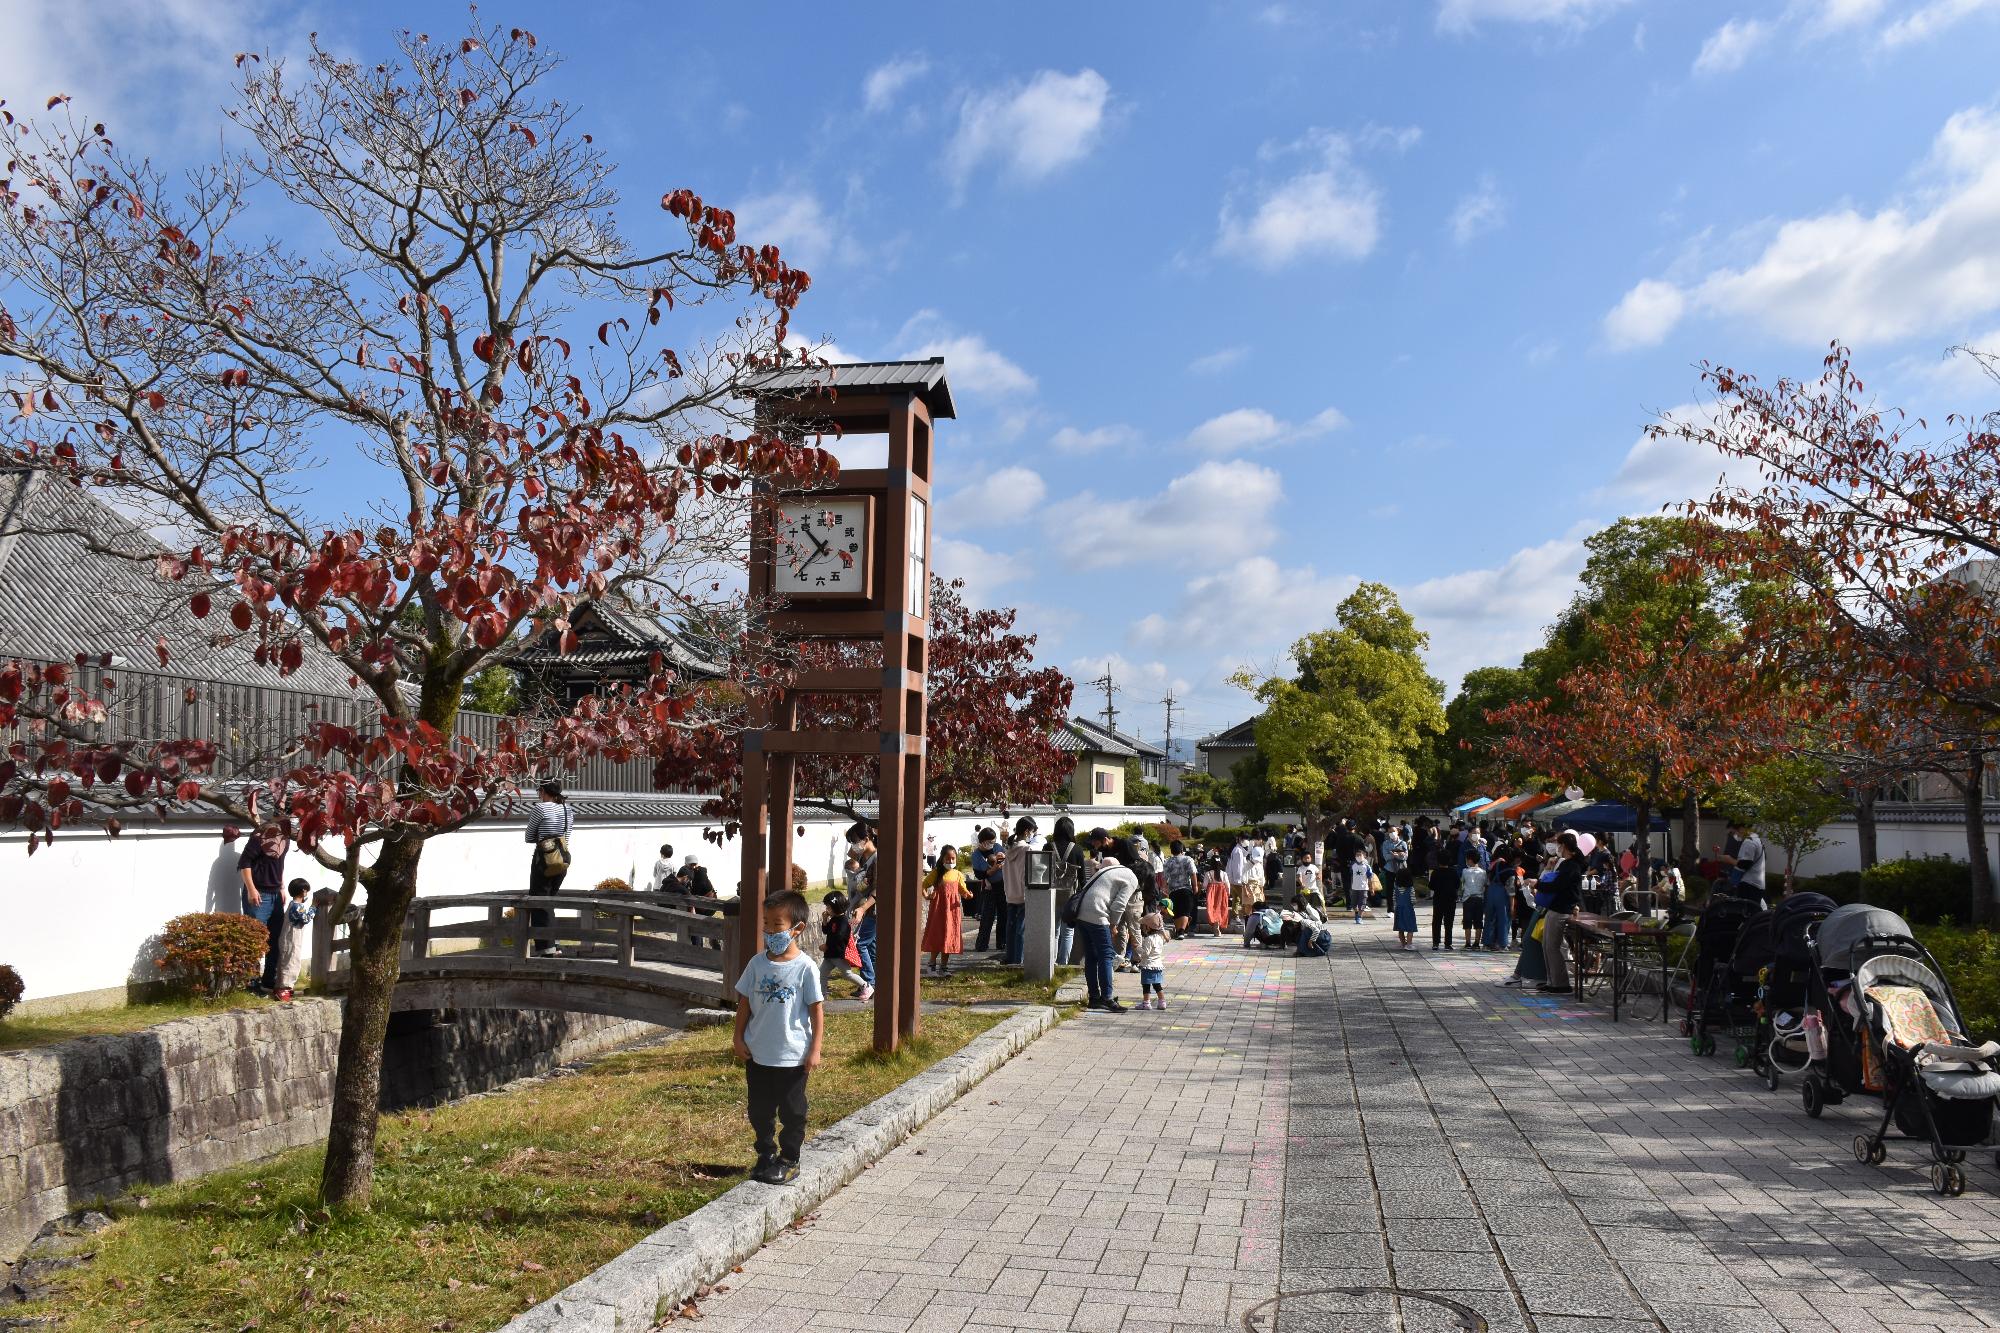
point(1411, 1125)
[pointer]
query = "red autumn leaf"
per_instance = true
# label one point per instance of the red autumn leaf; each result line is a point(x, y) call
point(241, 616)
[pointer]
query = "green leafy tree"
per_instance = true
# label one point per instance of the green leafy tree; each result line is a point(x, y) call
point(1789, 800)
point(1463, 757)
point(1351, 725)
point(494, 690)
point(1200, 792)
point(1138, 791)
point(1250, 790)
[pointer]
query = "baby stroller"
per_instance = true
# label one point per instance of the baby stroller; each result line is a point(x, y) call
point(1781, 991)
point(1713, 996)
point(1892, 1029)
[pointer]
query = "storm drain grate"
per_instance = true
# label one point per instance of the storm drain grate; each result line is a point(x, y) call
point(1351, 1306)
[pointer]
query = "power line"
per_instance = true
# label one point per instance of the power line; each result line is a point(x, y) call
point(1105, 683)
point(1172, 707)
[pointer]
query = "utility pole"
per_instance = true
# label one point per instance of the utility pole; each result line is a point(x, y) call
point(1105, 683)
point(1172, 708)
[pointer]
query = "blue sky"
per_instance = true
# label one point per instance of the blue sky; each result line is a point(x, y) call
point(1244, 303)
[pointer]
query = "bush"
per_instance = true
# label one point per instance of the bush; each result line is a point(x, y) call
point(12, 988)
point(1971, 963)
point(1844, 887)
point(798, 878)
point(1159, 832)
point(212, 952)
point(1222, 839)
point(611, 885)
point(1922, 892)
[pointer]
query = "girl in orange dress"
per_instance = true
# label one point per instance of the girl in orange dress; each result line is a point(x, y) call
point(944, 931)
point(1218, 900)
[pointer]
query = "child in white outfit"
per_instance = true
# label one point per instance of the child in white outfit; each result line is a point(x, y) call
point(297, 937)
point(1152, 952)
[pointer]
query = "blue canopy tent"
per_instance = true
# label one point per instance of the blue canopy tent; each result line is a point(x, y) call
point(1472, 804)
point(1608, 817)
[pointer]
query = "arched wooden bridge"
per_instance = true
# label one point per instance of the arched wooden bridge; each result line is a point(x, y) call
point(656, 957)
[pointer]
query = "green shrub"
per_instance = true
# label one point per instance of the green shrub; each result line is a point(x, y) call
point(1922, 892)
point(212, 952)
point(1222, 839)
point(1971, 963)
point(1843, 887)
point(12, 988)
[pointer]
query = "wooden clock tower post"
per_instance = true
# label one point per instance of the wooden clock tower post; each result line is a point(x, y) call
point(850, 564)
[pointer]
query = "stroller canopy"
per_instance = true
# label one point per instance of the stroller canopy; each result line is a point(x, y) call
point(1793, 915)
point(1846, 926)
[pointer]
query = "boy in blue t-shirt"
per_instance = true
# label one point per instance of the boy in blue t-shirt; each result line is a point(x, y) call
point(780, 1021)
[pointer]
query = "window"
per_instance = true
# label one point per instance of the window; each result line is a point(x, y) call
point(1900, 789)
point(920, 583)
point(1104, 782)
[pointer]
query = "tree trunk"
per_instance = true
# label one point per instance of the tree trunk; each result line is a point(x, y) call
point(1690, 856)
point(375, 961)
point(1980, 908)
point(1642, 836)
point(1866, 842)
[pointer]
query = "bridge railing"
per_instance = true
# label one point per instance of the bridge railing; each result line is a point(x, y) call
point(665, 940)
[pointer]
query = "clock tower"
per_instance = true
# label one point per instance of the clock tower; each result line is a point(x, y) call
point(852, 565)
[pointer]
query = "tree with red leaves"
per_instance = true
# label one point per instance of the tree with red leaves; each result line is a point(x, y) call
point(456, 420)
point(990, 722)
point(1649, 723)
point(1879, 536)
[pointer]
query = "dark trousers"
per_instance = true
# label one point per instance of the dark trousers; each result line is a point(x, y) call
point(541, 882)
point(274, 943)
point(1444, 915)
point(1014, 932)
point(777, 1097)
point(992, 909)
point(1096, 960)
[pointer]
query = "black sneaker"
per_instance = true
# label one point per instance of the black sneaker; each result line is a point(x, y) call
point(782, 1172)
point(1553, 990)
point(765, 1172)
point(1113, 1007)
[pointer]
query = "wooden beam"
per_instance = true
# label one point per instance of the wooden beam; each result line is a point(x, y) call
point(854, 680)
point(824, 742)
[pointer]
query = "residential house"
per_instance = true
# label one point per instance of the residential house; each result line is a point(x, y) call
point(1226, 749)
point(1152, 759)
point(1099, 775)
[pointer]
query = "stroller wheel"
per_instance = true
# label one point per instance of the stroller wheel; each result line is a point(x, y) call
point(1868, 1152)
point(1771, 1076)
point(1947, 1180)
point(1704, 1044)
point(1813, 1093)
point(1742, 1056)
point(1951, 1155)
point(1687, 1028)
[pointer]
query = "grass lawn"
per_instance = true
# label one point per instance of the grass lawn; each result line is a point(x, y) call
point(21, 1032)
point(989, 984)
point(481, 1208)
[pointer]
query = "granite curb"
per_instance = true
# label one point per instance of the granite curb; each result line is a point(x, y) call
point(633, 1291)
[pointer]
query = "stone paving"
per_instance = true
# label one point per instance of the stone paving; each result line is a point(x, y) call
point(1397, 1143)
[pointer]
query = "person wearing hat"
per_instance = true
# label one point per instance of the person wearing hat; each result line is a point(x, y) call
point(693, 881)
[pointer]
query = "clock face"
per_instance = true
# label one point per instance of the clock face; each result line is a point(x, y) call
point(823, 546)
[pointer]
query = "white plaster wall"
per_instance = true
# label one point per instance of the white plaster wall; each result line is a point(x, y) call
point(79, 915)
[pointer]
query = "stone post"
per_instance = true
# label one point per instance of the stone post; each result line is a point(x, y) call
point(1039, 956)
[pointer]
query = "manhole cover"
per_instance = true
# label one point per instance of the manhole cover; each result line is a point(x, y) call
point(1349, 1308)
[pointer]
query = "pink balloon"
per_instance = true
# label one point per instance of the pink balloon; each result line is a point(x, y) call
point(1586, 843)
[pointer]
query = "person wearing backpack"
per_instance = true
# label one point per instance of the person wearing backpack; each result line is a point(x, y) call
point(1092, 909)
point(1066, 876)
point(1014, 888)
point(548, 831)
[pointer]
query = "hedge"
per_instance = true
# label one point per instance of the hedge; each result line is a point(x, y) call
point(1971, 963)
point(1922, 891)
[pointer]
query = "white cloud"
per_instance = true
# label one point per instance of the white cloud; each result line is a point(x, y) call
point(1462, 16)
point(1329, 210)
point(880, 89)
point(1006, 496)
point(1834, 15)
point(968, 361)
point(153, 71)
point(1226, 504)
point(983, 571)
point(1252, 606)
point(1477, 617)
point(797, 223)
point(1071, 440)
point(1479, 212)
point(1223, 358)
point(1657, 472)
point(1544, 352)
point(1141, 686)
point(1030, 130)
point(1932, 19)
point(1924, 265)
point(1254, 428)
point(1646, 315)
point(1730, 45)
